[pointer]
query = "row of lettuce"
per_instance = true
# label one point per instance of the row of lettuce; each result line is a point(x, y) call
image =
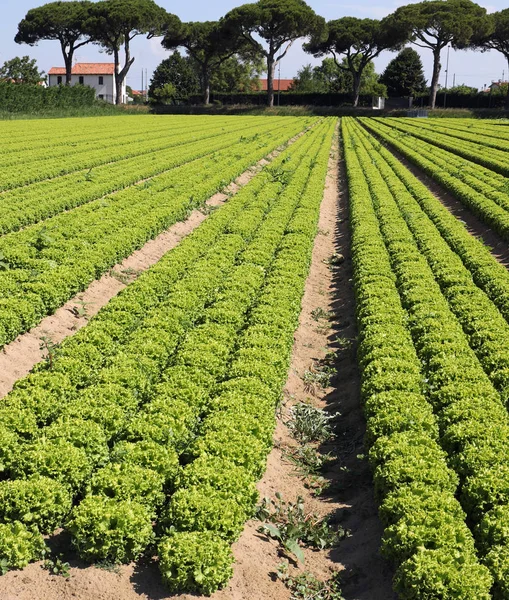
point(26, 205)
point(150, 427)
point(480, 189)
point(475, 151)
point(46, 264)
point(23, 165)
point(485, 134)
point(433, 354)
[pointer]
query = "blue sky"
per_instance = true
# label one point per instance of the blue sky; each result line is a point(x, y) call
point(471, 68)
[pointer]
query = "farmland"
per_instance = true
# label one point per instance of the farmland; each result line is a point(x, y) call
point(146, 432)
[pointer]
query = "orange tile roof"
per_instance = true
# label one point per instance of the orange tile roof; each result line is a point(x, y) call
point(285, 84)
point(86, 69)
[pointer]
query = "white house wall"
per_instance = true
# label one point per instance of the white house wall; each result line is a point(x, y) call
point(106, 90)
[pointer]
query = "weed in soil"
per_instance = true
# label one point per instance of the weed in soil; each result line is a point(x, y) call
point(57, 566)
point(306, 586)
point(309, 423)
point(288, 523)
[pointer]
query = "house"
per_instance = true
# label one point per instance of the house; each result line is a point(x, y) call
point(100, 76)
point(283, 85)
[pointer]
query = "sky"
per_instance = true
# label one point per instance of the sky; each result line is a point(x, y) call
point(471, 68)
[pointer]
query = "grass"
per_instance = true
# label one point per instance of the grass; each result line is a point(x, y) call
point(99, 110)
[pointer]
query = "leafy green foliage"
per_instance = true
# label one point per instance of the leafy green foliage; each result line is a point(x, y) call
point(288, 523)
point(57, 566)
point(305, 586)
point(404, 75)
point(278, 23)
point(360, 41)
point(309, 423)
point(195, 561)
point(60, 21)
point(21, 70)
point(426, 537)
point(110, 529)
point(37, 501)
point(19, 545)
point(434, 25)
point(179, 71)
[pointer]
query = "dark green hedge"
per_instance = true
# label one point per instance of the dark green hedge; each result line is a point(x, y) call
point(285, 99)
point(20, 98)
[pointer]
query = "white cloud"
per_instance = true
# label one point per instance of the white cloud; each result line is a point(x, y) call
point(156, 49)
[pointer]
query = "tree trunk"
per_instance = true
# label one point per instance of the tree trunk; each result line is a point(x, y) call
point(436, 74)
point(356, 88)
point(121, 75)
point(68, 62)
point(270, 80)
point(205, 85)
point(118, 81)
point(507, 97)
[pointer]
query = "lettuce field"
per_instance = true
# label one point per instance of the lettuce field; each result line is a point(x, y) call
point(146, 432)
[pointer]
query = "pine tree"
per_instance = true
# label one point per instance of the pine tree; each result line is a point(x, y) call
point(404, 75)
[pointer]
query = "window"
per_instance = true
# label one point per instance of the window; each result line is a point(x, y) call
point(101, 80)
point(82, 79)
point(59, 80)
point(101, 96)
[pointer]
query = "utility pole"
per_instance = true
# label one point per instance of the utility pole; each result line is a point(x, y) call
point(142, 86)
point(454, 80)
point(446, 74)
point(279, 82)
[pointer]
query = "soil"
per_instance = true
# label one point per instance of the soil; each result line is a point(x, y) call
point(19, 357)
point(349, 500)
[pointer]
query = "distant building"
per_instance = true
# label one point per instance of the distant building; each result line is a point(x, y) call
point(100, 76)
point(282, 85)
point(495, 85)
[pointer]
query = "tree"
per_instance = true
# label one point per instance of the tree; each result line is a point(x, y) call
point(209, 43)
point(436, 23)
point(306, 81)
point(179, 71)
point(278, 23)
point(360, 40)
point(329, 78)
point(62, 21)
point(114, 23)
point(496, 37)
point(463, 90)
point(237, 74)
point(404, 75)
point(21, 70)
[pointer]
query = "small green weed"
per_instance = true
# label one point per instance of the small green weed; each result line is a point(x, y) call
point(80, 311)
point(306, 586)
point(109, 566)
point(309, 423)
point(288, 523)
point(309, 465)
point(50, 347)
point(56, 565)
point(43, 239)
point(4, 265)
point(318, 376)
point(334, 260)
point(320, 313)
point(125, 276)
